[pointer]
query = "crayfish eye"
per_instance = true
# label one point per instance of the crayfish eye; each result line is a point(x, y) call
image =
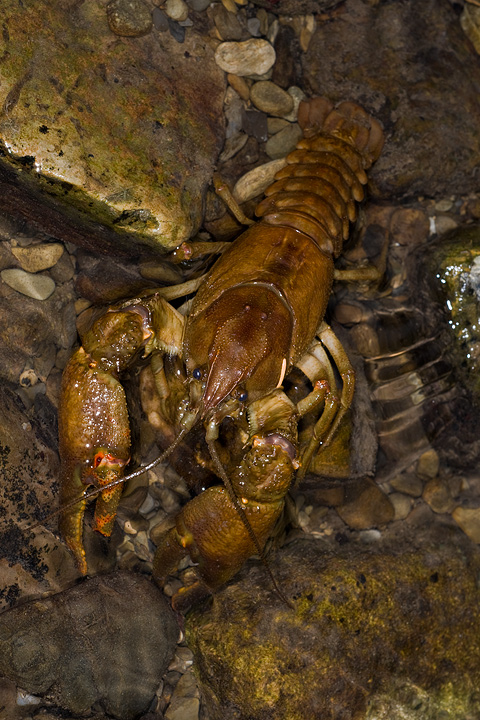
point(97, 460)
point(197, 374)
point(243, 396)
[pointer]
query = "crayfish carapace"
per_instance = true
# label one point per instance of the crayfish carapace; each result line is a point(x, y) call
point(259, 312)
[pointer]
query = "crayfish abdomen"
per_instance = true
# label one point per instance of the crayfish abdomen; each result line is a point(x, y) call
point(259, 313)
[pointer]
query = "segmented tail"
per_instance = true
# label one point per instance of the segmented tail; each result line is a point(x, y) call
point(316, 191)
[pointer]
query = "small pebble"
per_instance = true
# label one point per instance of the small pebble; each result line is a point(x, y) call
point(307, 31)
point(230, 6)
point(184, 709)
point(443, 205)
point(38, 257)
point(39, 287)
point(227, 24)
point(240, 86)
point(160, 20)
point(402, 505)
point(177, 31)
point(271, 98)
point(251, 57)
point(254, 123)
point(443, 224)
point(437, 495)
point(257, 180)
point(176, 10)
point(233, 109)
point(262, 15)
point(368, 509)
point(232, 146)
point(129, 18)
point(182, 661)
point(283, 142)
point(253, 27)
point(298, 95)
point(28, 378)
point(275, 124)
point(428, 464)
point(469, 521)
point(408, 484)
point(198, 5)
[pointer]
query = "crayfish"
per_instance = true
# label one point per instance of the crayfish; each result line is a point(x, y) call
point(258, 314)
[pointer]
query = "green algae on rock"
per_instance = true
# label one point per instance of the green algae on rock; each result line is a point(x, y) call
point(101, 124)
point(454, 262)
point(368, 630)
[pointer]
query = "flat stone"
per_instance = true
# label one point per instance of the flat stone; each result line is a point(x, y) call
point(39, 287)
point(469, 521)
point(251, 57)
point(271, 99)
point(38, 257)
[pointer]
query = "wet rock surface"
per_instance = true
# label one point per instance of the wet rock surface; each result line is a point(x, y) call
point(407, 62)
point(75, 649)
point(408, 503)
point(99, 123)
point(378, 630)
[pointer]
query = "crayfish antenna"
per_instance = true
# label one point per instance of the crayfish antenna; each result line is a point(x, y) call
point(241, 513)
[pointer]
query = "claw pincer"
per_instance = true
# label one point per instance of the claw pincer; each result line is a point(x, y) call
point(94, 427)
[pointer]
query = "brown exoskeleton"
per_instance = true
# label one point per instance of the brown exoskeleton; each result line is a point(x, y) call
point(259, 312)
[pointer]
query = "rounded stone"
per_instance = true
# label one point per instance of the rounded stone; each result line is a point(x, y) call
point(251, 57)
point(402, 504)
point(198, 5)
point(39, 287)
point(428, 464)
point(437, 494)
point(469, 521)
point(38, 257)
point(271, 98)
point(176, 10)
point(284, 141)
point(129, 18)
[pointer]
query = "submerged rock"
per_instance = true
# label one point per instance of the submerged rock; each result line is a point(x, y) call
point(76, 648)
point(97, 123)
point(405, 62)
point(368, 631)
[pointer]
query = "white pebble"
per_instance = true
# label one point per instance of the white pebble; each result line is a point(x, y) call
point(176, 10)
point(251, 57)
point(39, 287)
point(257, 180)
